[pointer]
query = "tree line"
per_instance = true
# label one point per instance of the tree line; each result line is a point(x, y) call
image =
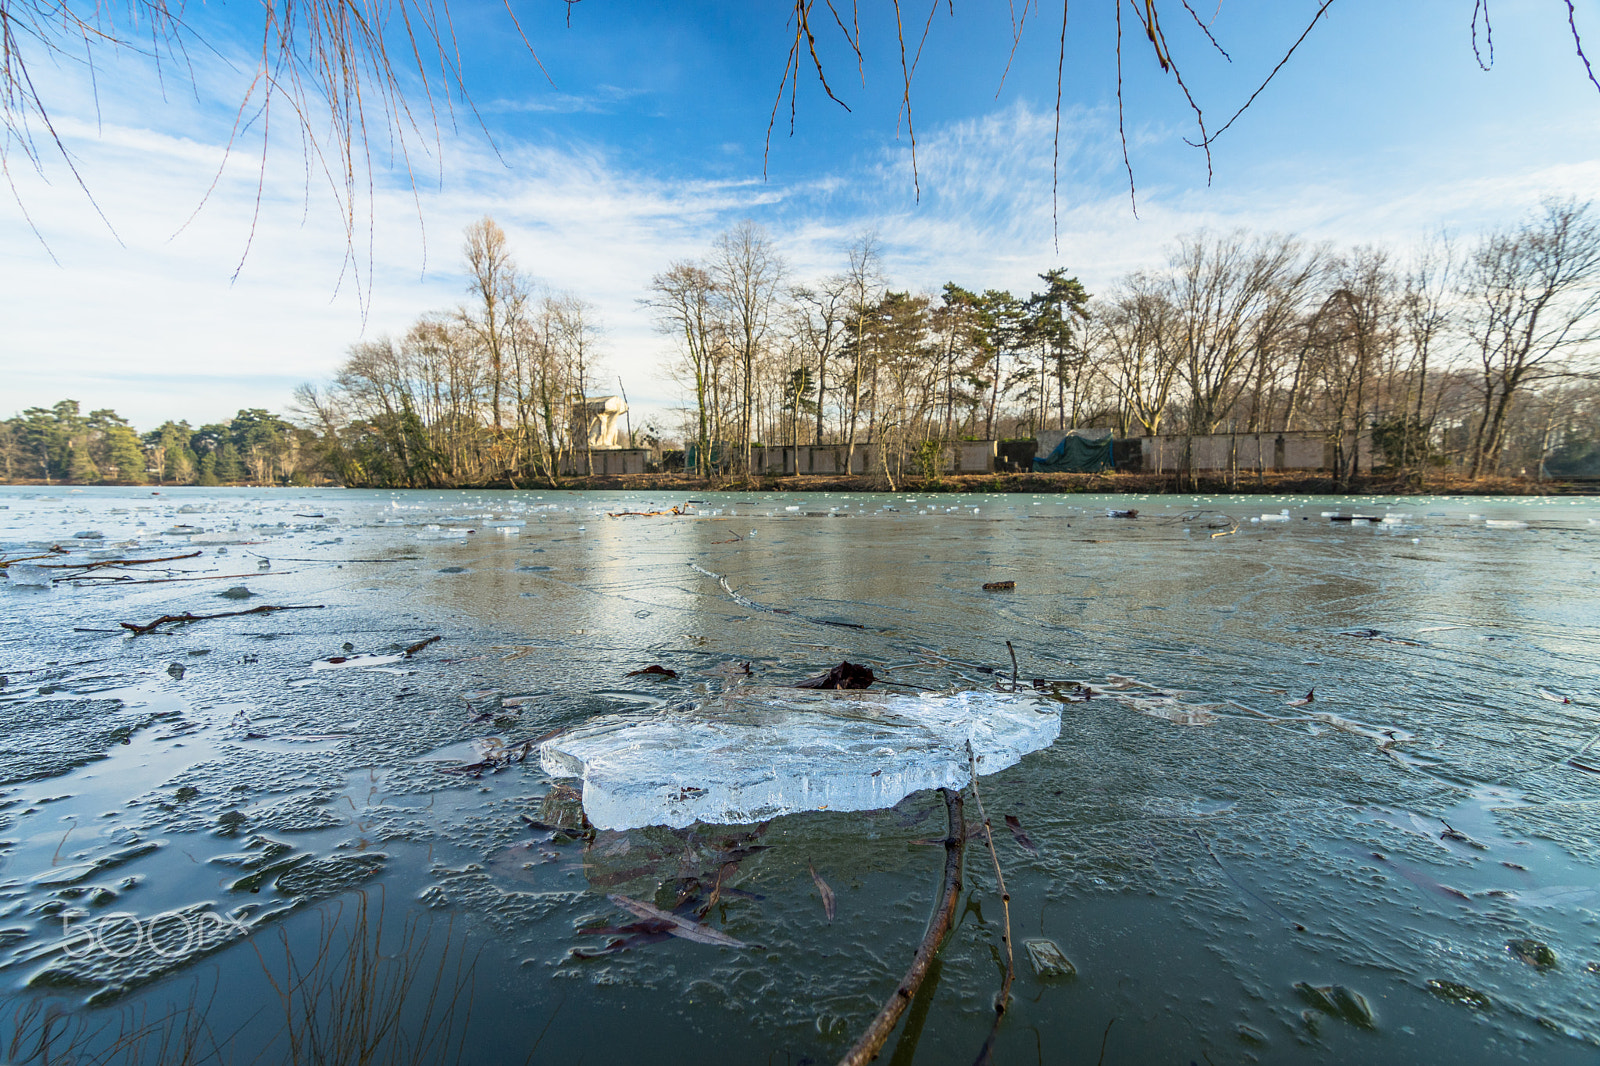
point(485, 392)
point(1477, 357)
point(60, 443)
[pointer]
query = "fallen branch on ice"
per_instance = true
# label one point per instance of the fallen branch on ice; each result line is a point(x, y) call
point(172, 619)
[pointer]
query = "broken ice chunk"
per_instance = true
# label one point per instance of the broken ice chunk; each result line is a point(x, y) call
point(1047, 959)
point(28, 574)
point(755, 754)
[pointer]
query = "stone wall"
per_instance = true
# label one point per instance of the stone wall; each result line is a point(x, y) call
point(1289, 450)
point(607, 462)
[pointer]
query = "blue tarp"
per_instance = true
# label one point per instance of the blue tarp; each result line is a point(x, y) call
point(1076, 455)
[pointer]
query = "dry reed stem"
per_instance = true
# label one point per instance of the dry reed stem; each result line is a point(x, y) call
point(872, 1039)
point(1004, 1000)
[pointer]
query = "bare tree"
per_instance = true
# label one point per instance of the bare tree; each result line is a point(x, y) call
point(1137, 331)
point(494, 284)
point(1425, 318)
point(574, 339)
point(1535, 300)
point(866, 285)
point(748, 272)
point(819, 320)
point(1235, 297)
point(683, 299)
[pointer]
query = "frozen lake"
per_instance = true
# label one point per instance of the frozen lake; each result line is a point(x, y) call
point(219, 818)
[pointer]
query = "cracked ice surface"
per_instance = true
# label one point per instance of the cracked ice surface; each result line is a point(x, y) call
point(755, 754)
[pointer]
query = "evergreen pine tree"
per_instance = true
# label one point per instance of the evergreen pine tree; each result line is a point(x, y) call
point(124, 454)
point(208, 469)
point(228, 468)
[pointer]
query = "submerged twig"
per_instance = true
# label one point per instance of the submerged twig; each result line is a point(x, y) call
point(675, 512)
point(170, 619)
point(419, 645)
point(51, 554)
point(1241, 885)
point(955, 843)
point(828, 901)
point(745, 601)
point(985, 1055)
point(172, 580)
point(112, 562)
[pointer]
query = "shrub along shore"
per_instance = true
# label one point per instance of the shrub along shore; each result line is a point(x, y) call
point(1111, 484)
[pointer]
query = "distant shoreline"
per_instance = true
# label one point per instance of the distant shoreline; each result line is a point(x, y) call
point(1110, 484)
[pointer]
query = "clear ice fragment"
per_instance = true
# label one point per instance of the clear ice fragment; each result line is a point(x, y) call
point(28, 574)
point(756, 753)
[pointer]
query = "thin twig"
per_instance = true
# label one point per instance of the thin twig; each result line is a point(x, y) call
point(1004, 1001)
point(1055, 149)
point(1577, 41)
point(1207, 31)
point(1488, 33)
point(136, 629)
point(208, 577)
point(419, 645)
point(114, 562)
point(1206, 139)
point(955, 842)
point(1013, 652)
point(1122, 122)
point(51, 554)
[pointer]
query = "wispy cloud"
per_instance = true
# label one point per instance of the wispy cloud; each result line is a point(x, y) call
point(150, 323)
point(605, 99)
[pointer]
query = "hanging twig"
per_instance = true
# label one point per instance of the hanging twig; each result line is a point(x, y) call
point(1004, 1000)
point(955, 843)
point(136, 629)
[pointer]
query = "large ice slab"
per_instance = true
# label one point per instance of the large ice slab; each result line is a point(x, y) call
point(755, 753)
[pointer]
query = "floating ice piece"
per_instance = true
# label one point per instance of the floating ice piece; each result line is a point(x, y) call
point(1047, 959)
point(1169, 707)
point(28, 574)
point(1504, 523)
point(1385, 737)
point(756, 753)
point(348, 662)
point(1284, 517)
point(236, 536)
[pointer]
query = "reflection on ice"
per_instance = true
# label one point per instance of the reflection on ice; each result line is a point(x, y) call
point(759, 753)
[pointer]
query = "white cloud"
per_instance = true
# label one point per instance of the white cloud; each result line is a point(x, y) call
point(149, 321)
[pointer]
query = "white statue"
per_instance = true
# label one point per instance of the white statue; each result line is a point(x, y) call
point(598, 420)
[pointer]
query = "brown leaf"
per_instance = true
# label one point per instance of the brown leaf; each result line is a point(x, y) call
point(683, 927)
point(827, 893)
point(1021, 838)
point(654, 671)
point(999, 586)
point(846, 675)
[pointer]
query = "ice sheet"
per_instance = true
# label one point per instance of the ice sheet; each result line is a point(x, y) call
point(759, 753)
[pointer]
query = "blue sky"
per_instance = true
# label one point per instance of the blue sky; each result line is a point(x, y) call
point(646, 140)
